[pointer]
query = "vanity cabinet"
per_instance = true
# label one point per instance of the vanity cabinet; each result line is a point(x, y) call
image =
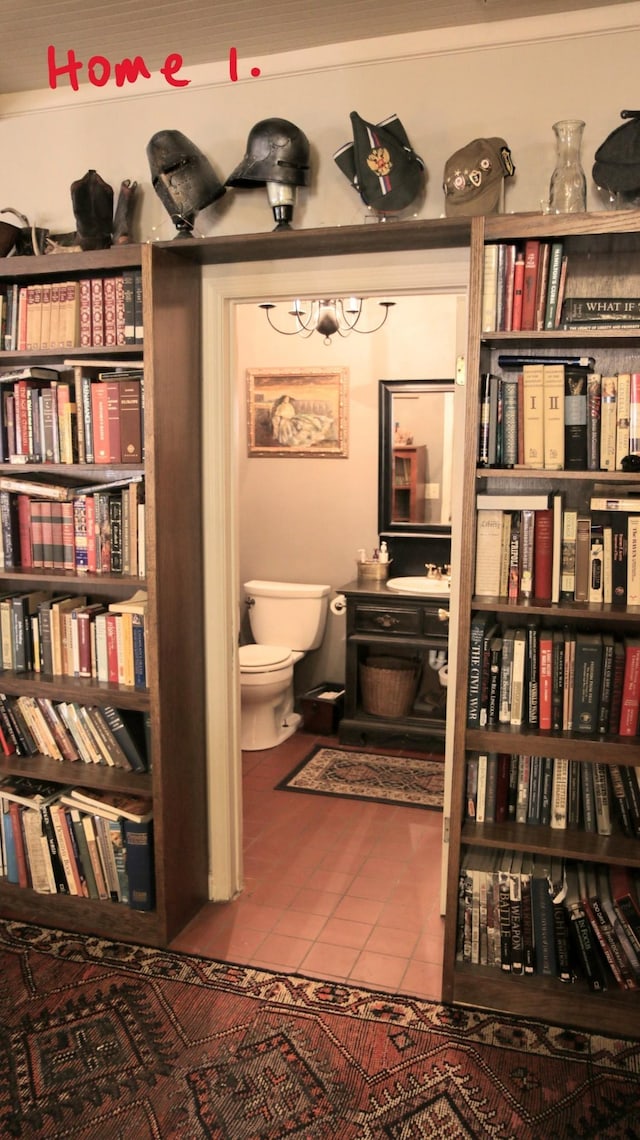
point(409, 464)
point(384, 624)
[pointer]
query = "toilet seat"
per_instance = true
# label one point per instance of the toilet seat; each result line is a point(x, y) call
point(263, 658)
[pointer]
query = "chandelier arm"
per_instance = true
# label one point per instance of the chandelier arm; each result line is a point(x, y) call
point(285, 332)
point(366, 332)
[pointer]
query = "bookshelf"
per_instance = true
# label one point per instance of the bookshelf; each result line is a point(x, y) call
point(408, 484)
point(172, 701)
point(602, 260)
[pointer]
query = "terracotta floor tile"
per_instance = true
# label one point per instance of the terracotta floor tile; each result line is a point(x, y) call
point(300, 925)
point(429, 946)
point(336, 881)
point(402, 917)
point(283, 951)
point(327, 961)
point(381, 970)
point(310, 901)
point(380, 888)
point(253, 916)
point(385, 940)
point(343, 932)
point(359, 910)
point(423, 980)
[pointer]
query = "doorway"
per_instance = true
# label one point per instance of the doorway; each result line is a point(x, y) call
point(224, 288)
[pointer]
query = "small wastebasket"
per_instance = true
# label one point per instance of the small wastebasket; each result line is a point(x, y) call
point(388, 685)
point(322, 708)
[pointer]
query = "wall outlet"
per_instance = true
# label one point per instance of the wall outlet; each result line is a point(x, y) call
point(432, 490)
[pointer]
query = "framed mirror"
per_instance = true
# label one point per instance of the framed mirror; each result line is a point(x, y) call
point(415, 453)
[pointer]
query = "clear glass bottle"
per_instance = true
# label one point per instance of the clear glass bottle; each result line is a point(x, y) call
point(568, 188)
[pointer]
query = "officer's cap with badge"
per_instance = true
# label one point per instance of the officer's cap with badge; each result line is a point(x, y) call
point(381, 164)
point(473, 177)
point(617, 159)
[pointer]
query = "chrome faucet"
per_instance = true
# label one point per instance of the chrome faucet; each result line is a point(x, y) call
point(437, 572)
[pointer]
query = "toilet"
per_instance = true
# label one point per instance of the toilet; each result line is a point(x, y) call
point(287, 619)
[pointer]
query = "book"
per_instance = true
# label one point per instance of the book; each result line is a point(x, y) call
point(623, 406)
point(596, 564)
point(602, 798)
point(587, 681)
point(506, 674)
point(606, 683)
point(553, 387)
point(583, 937)
point(533, 411)
point(490, 288)
point(583, 557)
point(531, 265)
point(545, 686)
point(518, 293)
point(518, 677)
point(483, 627)
point(592, 309)
point(575, 419)
point(559, 794)
point(568, 554)
point(629, 713)
point(594, 409)
point(633, 560)
point(553, 287)
point(136, 809)
point(138, 838)
point(543, 922)
point(543, 554)
point(608, 422)
point(488, 547)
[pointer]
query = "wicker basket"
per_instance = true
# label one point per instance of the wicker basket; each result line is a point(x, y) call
point(388, 685)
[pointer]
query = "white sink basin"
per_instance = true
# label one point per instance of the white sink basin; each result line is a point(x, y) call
point(417, 585)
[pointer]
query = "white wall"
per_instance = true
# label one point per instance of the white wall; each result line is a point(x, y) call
point(512, 79)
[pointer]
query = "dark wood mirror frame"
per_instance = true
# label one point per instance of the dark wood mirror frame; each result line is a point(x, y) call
point(401, 502)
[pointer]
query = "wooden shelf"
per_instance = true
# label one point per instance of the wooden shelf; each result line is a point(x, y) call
point(603, 259)
point(173, 701)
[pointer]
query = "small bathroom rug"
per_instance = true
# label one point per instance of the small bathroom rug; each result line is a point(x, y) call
point(369, 776)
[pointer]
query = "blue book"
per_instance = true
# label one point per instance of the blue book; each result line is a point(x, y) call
point(138, 838)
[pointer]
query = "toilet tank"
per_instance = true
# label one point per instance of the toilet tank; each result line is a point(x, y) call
point(292, 614)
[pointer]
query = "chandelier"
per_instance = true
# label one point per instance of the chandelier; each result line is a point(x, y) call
point(327, 317)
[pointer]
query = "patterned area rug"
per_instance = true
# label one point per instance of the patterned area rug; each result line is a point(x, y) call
point(369, 776)
point(100, 1039)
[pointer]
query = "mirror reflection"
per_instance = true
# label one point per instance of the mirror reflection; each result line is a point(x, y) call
point(416, 452)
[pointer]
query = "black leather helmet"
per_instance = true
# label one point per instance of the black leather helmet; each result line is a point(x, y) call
point(277, 151)
point(182, 177)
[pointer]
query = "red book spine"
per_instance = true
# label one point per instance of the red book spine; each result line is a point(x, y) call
point(120, 322)
point(97, 311)
point(630, 691)
point(100, 418)
point(634, 414)
point(518, 285)
point(113, 420)
point(24, 531)
point(83, 626)
point(543, 554)
point(109, 306)
point(529, 285)
point(85, 312)
point(545, 674)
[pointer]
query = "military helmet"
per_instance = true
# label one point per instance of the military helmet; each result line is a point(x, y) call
point(182, 175)
point(277, 151)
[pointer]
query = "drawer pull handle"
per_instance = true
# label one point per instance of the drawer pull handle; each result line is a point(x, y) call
point(443, 615)
point(387, 621)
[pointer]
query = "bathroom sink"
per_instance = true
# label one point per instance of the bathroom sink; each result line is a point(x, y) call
point(420, 585)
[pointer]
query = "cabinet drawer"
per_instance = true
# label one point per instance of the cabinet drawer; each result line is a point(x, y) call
point(392, 619)
point(435, 621)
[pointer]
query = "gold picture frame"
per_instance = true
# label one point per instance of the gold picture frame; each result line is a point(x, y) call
point(297, 412)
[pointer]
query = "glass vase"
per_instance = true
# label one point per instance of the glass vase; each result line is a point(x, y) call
point(568, 188)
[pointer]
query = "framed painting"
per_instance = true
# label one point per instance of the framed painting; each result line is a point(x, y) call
point(297, 412)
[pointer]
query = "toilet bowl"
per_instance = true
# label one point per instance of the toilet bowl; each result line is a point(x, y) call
point(297, 610)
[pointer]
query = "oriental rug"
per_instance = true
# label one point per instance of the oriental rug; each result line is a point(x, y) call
point(369, 776)
point(105, 1041)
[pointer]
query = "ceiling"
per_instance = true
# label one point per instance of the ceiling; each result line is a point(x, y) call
point(203, 31)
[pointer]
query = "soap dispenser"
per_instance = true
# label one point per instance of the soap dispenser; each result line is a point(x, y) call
point(383, 554)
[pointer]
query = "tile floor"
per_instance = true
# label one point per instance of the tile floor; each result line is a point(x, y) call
point(341, 889)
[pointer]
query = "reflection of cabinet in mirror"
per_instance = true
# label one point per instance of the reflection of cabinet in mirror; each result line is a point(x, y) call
point(409, 464)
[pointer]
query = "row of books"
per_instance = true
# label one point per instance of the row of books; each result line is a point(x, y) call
point(533, 915)
point(554, 792)
point(69, 731)
point(523, 286)
point(531, 546)
point(77, 841)
point(98, 531)
point(563, 680)
point(88, 311)
point(558, 417)
point(96, 419)
point(67, 635)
